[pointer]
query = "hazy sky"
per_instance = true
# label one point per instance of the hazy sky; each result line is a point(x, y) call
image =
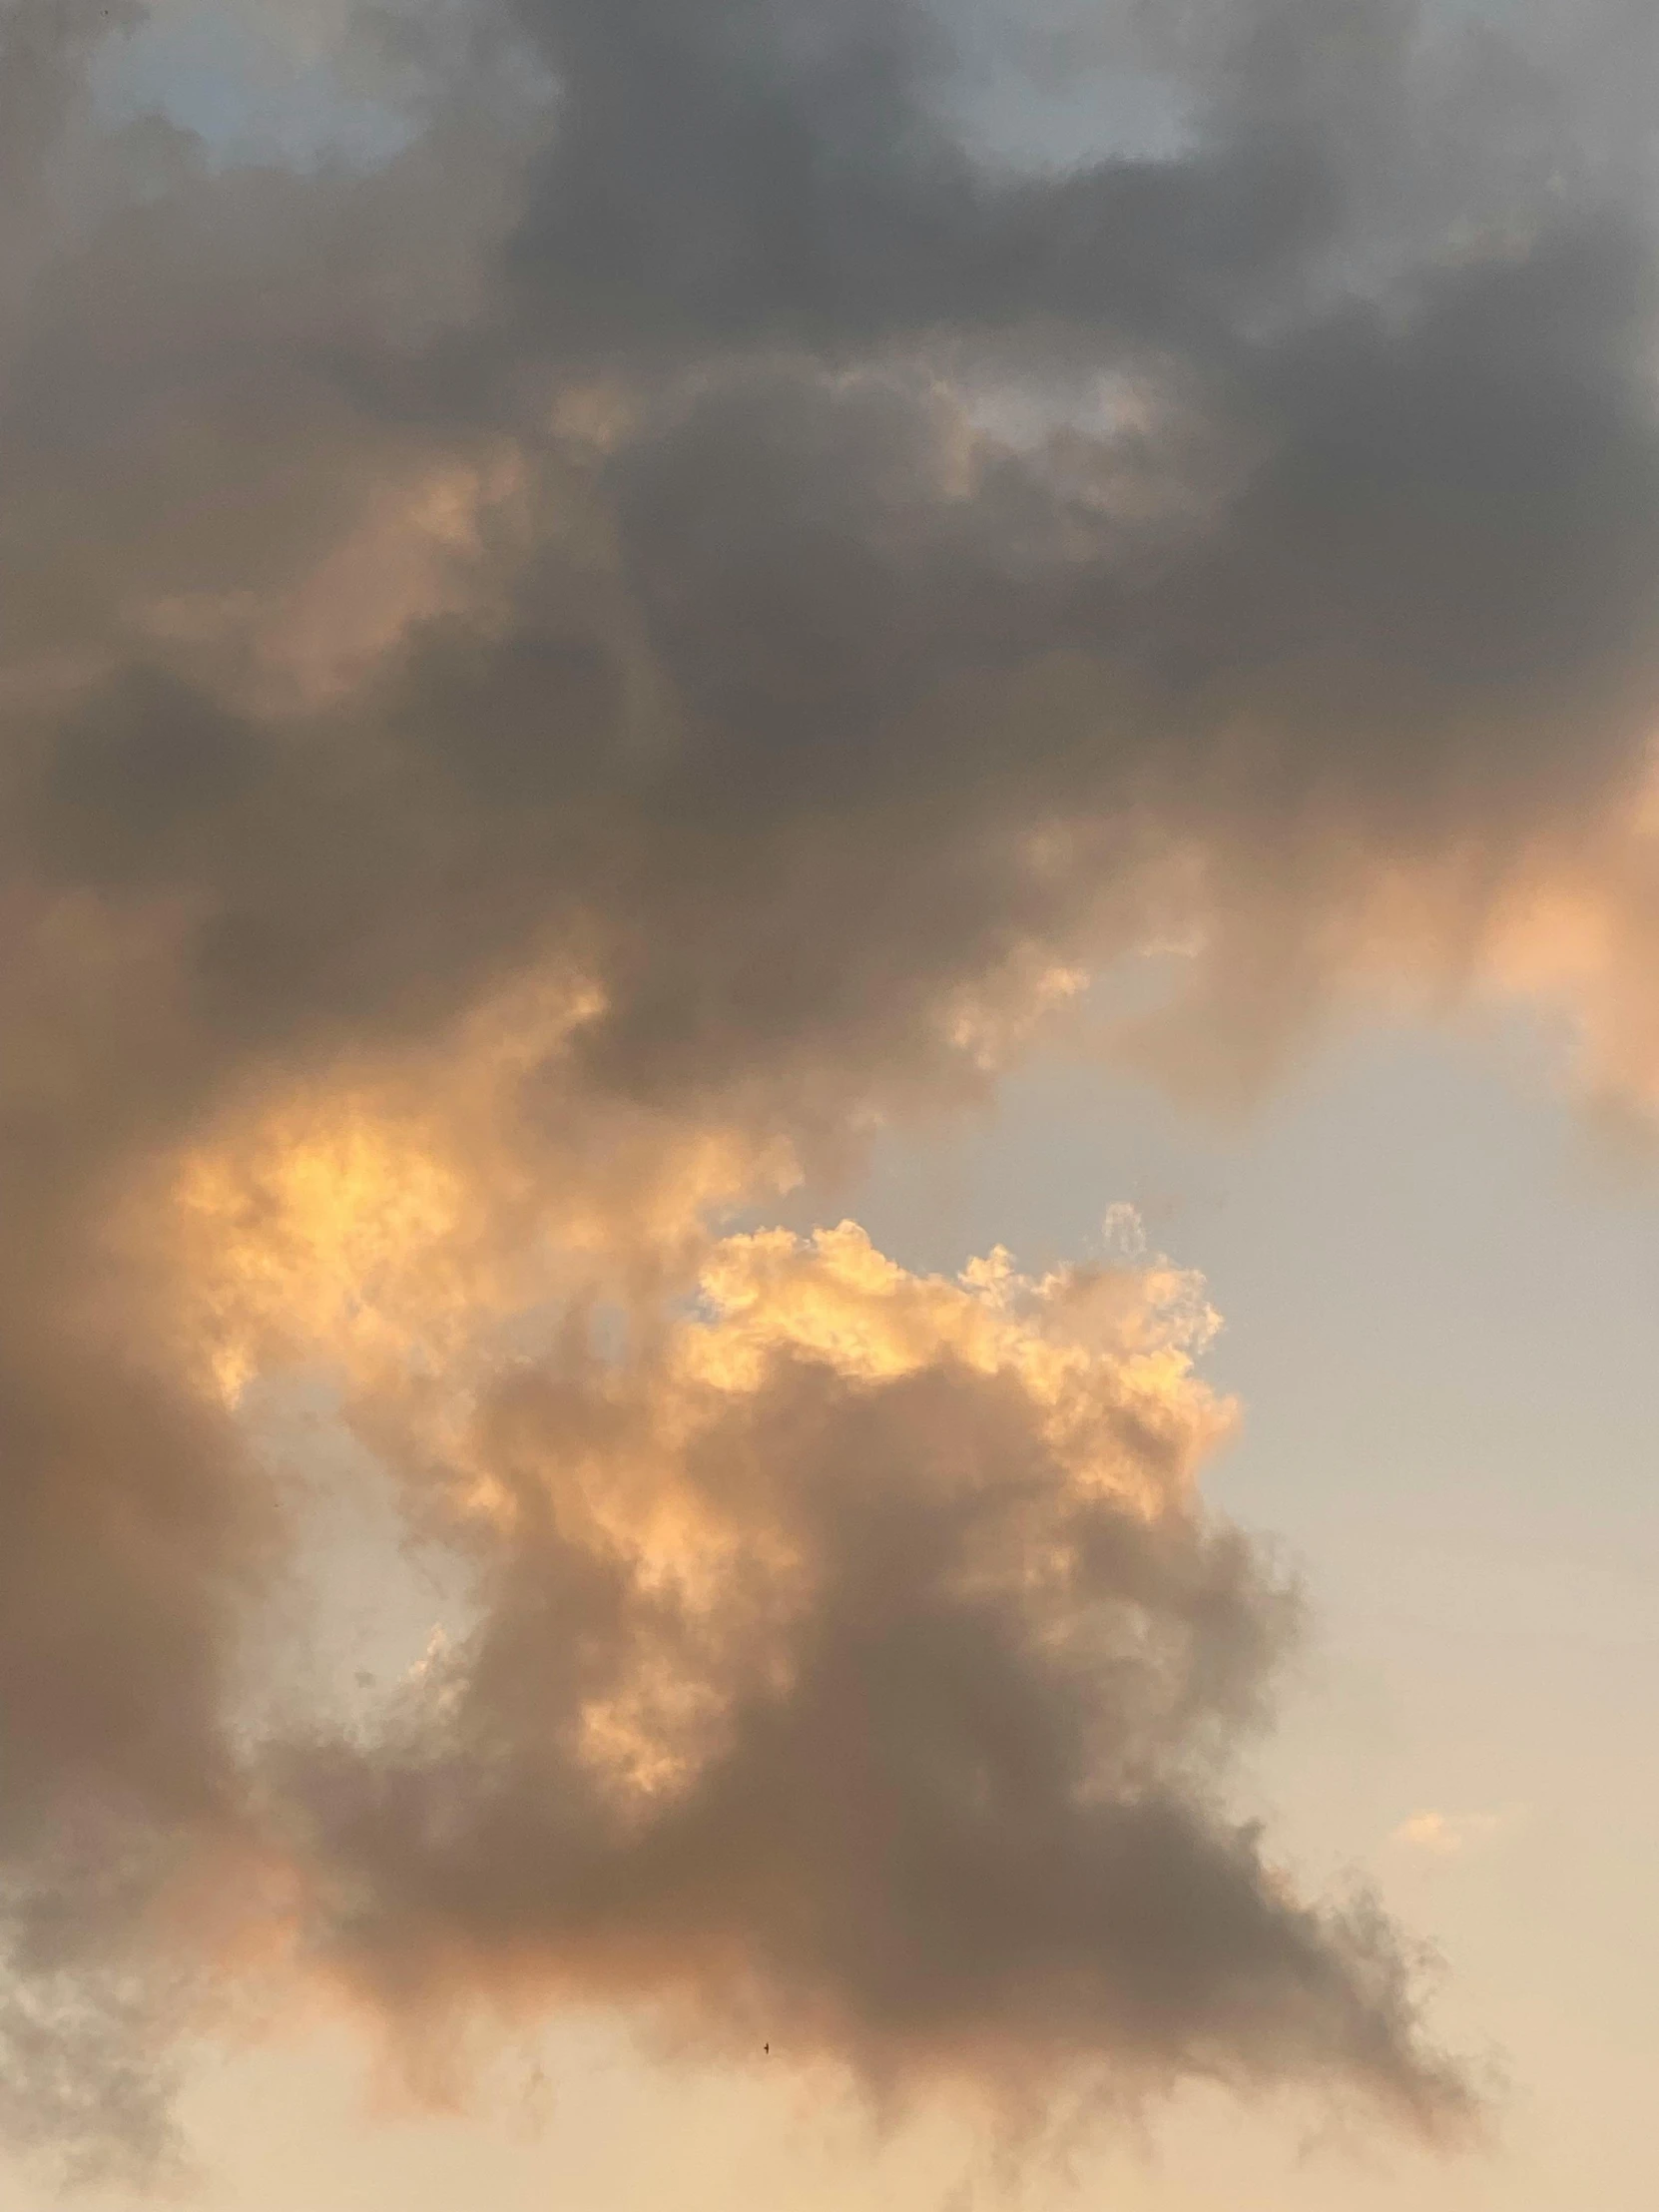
point(828, 894)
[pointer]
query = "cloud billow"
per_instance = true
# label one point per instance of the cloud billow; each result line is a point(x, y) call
point(551, 678)
point(856, 1673)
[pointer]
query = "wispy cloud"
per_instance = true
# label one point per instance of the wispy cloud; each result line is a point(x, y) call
point(1451, 1834)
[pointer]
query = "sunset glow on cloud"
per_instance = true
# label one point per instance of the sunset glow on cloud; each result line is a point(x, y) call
point(612, 611)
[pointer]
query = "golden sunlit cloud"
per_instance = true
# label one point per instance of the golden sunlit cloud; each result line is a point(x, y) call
point(642, 610)
point(1449, 1835)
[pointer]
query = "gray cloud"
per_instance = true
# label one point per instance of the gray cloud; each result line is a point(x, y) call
point(932, 1787)
point(689, 533)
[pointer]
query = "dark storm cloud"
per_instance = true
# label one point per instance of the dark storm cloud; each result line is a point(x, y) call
point(692, 524)
point(745, 171)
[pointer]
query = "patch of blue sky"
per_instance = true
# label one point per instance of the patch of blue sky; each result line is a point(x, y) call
point(245, 90)
point(1048, 85)
point(1032, 122)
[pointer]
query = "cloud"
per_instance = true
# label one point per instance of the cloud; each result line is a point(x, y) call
point(856, 1670)
point(1449, 1836)
point(552, 678)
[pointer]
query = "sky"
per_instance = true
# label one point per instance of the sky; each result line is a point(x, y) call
point(827, 1104)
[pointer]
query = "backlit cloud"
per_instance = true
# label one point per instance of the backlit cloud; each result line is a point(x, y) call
point(560, 665)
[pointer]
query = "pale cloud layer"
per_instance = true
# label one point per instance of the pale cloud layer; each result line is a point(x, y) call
point(556, 670)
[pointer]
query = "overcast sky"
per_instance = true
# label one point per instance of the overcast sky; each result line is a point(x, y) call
point(827, 1106)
